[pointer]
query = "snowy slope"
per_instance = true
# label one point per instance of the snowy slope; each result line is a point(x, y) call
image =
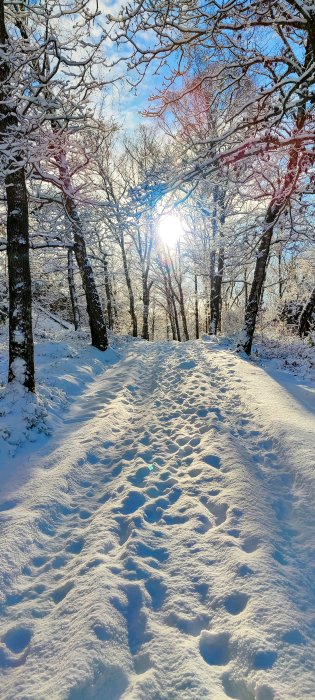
point(159, 547)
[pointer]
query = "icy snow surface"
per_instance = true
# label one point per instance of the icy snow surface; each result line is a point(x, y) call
point(159, 545)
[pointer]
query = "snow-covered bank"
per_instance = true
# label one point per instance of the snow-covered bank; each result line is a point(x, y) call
point(65, 365)
point(159, 546)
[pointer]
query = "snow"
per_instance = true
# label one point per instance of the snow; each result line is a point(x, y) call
point(158, 545)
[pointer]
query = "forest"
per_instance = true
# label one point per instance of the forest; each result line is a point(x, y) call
point(197, 220)
point(157, 349)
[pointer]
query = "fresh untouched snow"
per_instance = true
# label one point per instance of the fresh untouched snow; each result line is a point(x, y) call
point(160, 545)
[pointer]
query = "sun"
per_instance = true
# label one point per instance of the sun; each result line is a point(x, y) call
point(170, 229)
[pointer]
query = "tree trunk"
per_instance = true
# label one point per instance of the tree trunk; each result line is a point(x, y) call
point(109, 295)
point(173, 303)
point(277, 204)
point(170, 310)
point(196, 308)
point(245, 287)
point(212, 287)
point(146, 304)
point(130, 290)
point(153, 322)
point(215, 305)
point(217, 277)
point(280, 280)
point(178, 333)
point(180, 299)
point(73, 292)
point(246, 339)
point(21, 348)
point(305, 320)
point(93, 302)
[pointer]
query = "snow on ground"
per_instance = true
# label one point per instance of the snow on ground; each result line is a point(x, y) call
point(280, 350)
point(65, 365)
point(159, 545)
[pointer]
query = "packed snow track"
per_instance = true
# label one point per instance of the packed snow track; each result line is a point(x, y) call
point(159, 547)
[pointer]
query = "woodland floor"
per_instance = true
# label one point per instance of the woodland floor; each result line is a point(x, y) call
point(160, 545)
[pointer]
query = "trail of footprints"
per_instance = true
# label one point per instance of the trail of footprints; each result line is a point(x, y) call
point(144, 516)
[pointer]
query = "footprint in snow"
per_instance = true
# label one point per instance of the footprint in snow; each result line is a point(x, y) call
point(132, 502)
point(215, 648)
point(8, 505)
point(142, 663)
point(264, 660)
point(293, 637)
point(244, 571)
point(39, 561)
point(175, 519)
point(140, 476)
point(100, 632)
point(237, 688)
point(218, 510)
point(187, 625)
point(85, 514)
point(212, 460)
point(75, 546)
point(159, 553)
point(92, 458)
point(204, 524)
point(236, 602)
point(193, 473)
point(251, 544)
point(17, 639)
point(188, 364)
point(135, 618)
point(60, 593)
point(157, 590)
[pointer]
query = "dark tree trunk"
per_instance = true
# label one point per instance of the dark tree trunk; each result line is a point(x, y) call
point(172, 303)
point(246, 339)
point(277, 205)
point(21, 348)
point(167, 329)
point(176, 319)
point(216, 294)
point(305, 320)
point(172, 321)
point(207, 313)
point(180, 299)
point(212, 287)
point(153, 322)
point(170, 309)
point(280, 280)
point(73, 292)
point(217, 277)
point(109, 295)
point(245, 287)
point(93, 302)
point(169, 304)
point(196, 308)
point(146, 306)
point(130, 290)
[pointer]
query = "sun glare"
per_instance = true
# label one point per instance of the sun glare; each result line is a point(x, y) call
point(170, 229)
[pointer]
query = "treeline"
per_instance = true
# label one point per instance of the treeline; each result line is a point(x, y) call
point(231, 155)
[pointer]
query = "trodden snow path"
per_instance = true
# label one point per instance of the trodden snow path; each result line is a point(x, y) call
point(160, 546)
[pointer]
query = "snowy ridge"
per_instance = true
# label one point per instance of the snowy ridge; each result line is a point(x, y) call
point(159, 545)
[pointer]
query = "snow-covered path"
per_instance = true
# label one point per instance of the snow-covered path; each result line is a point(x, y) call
point(160, 547)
